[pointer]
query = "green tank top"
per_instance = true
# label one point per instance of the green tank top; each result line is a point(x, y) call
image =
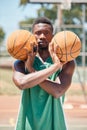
point(38, 109)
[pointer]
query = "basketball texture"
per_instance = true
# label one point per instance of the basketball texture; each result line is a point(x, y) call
point(67, 44)
point(18, 40)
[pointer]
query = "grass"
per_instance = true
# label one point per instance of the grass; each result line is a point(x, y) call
point(6, 84)
point(8, 87)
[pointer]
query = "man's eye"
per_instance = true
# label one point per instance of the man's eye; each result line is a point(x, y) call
point(38, 33)
point(46, 33)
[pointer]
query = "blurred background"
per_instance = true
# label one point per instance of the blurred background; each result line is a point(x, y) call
point(65, 15)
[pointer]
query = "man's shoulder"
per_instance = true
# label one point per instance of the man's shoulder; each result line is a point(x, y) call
point(18, 65)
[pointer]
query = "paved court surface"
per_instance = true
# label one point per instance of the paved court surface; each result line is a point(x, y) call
point(75, 111)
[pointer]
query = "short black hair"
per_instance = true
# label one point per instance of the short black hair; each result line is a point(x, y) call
point(42, 20)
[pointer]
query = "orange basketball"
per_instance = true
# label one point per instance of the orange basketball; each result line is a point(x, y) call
point(18, 41)
point(68, 45)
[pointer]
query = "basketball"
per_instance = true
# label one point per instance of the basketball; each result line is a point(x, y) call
point(18, 40)
point(67, 44)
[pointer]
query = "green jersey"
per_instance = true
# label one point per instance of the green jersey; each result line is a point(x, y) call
point(38, 109)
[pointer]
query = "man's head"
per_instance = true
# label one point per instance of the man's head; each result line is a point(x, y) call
point(43, 30)
point(43, 20)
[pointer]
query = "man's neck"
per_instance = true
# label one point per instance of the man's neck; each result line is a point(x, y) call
point(44, 54)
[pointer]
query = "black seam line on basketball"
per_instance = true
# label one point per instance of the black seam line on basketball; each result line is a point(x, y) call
point(23, 45)
point(70, 53)
point(59, 47)
point(20, 56)
point(13, 45)
point(75, 52)
point(65, 45)
point(72, 46)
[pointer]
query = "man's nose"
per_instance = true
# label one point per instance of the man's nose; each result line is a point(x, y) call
point(42, 35)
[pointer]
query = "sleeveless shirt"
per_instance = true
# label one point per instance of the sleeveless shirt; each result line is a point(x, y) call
point(38, 109)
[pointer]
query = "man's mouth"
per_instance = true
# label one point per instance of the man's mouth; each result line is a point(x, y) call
point(42, 42)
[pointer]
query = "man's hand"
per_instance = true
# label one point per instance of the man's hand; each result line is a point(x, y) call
point(52, 51)
point(30, 60)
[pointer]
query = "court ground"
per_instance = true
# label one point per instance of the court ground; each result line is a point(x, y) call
point(75, 108)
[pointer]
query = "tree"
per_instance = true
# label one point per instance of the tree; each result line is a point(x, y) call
point(26, 24)
point(23, 2)
point(73, 16)
point(2, 35)
point(48, 10)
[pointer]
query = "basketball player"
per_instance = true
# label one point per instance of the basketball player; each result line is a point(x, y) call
point(43, 80)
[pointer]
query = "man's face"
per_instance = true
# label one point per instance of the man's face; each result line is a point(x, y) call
point(43, 34)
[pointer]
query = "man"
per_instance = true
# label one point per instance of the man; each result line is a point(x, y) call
point(43, 80)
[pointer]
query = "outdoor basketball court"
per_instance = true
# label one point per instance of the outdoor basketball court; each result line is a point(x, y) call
point(75, 110)
point(75, 107)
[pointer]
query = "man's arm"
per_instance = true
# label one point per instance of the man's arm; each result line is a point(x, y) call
point(24, 81)
point(59, 87)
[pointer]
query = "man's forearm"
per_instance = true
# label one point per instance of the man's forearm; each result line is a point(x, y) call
point(58, 88)
point(52, 88)
point(34, 78)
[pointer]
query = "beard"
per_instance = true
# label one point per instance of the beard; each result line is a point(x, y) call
point(42, 45)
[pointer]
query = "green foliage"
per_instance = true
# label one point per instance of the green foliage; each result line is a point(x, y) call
point(23, 2)
point(48, 10)
point(26, 24)
point(26, 21)
point(73, 16)
point(2, 35)
point(75, 12)
point(7, 86)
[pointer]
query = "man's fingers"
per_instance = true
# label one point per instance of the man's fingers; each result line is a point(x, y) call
point(27, 51)
point(51, 47)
